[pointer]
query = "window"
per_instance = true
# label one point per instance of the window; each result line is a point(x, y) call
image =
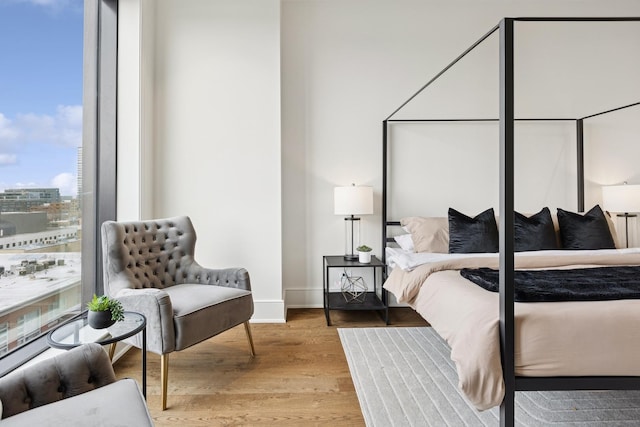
point(57, 162)
point(40, 134)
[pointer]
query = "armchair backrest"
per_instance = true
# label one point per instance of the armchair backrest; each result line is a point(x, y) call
point(147, 254)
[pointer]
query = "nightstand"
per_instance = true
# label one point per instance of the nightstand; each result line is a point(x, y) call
point(354, 293)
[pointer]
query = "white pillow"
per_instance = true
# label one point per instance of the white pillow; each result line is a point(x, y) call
point(405, 242)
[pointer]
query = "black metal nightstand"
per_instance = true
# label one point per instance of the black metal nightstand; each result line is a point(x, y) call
point(354, 294)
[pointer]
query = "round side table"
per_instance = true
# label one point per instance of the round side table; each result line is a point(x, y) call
point(77, 332)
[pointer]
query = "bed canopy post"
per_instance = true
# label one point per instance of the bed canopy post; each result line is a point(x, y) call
point(384, 191)
point(580, 155)
point(506, 232)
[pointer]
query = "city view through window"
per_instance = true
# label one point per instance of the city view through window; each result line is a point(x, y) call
point(40, 166)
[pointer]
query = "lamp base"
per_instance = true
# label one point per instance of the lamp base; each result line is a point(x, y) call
point(352, 237)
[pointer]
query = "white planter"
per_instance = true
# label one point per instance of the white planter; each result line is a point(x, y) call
point(364, 257)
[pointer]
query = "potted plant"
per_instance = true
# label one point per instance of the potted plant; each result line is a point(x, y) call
point(364, 254)
point(104, 312)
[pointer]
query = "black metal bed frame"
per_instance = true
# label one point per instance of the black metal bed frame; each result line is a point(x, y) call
point(506, 121)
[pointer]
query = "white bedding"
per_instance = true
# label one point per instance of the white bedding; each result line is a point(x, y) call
point(552, 339)
point(405, 260)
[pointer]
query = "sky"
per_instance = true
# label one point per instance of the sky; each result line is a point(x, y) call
point(40, 93)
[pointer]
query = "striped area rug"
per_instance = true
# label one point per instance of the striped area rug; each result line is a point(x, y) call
point(404, 377)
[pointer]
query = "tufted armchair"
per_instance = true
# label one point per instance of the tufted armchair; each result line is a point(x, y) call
point(74, 388)
point(150, 267)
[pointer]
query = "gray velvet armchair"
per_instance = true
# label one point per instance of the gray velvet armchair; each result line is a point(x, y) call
point(150, 267)
point(74, 388)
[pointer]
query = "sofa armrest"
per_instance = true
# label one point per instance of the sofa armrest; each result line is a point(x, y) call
point(68, 374)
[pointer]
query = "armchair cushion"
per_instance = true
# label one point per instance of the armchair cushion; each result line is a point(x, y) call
point(201, 311)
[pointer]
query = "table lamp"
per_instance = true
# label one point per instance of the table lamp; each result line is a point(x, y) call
point(352, 200)
point(622, 199)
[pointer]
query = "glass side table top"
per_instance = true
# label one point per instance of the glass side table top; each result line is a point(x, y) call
point(78, 331)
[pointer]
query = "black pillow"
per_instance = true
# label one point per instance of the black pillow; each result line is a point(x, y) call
point(535, 233)
point(472, 235)
point(588, 231)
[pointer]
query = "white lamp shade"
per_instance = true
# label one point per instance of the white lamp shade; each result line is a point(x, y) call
point(353, 200)
point(621, 198)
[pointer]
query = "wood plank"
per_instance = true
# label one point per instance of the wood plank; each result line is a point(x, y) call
point(299, 375)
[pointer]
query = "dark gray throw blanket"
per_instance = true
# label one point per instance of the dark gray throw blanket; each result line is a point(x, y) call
point(580, 284)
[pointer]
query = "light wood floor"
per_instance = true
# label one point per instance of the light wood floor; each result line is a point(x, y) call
point(299, 376)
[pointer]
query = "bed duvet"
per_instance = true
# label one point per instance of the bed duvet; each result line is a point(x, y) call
point(573, 338)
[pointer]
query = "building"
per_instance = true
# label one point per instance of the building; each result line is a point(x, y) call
point(25, 222)
point(37, 291)
point(62, 239)
point(64, 212)
point(24, 199)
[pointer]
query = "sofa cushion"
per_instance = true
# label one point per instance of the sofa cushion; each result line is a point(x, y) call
point(192, 307)
point(117, 404)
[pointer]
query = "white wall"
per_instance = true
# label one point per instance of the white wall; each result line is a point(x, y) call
point(251, 111)
point(612, 150)
point(129, 108)
point(208, 145)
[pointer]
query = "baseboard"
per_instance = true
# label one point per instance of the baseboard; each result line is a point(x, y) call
point(268, 311)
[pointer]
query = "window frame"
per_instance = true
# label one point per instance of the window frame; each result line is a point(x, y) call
point(99, 130)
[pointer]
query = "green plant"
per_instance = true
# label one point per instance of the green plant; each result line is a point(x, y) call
point(363, 248)
point(104, 303)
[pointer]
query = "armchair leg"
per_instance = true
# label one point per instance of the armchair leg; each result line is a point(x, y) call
point(164, 372)
point(247, 329)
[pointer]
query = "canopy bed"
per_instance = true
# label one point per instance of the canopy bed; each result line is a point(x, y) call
point(456, 306)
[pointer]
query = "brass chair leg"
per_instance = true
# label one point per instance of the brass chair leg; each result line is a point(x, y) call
point(164, 372)
point(247, 329)
point(112, 350)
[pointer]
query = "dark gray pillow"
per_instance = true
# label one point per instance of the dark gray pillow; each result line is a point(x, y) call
point(588, 231)
point(535, 233)
point(472, 235)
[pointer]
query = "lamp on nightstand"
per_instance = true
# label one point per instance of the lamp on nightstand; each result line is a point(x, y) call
point(352, 200)
point(622, 199)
